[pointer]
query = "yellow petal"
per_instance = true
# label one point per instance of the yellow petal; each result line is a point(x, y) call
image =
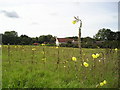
point(74, 22)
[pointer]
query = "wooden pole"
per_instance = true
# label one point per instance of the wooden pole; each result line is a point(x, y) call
point(79, 38)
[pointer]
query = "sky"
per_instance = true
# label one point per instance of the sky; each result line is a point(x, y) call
point(43, 17)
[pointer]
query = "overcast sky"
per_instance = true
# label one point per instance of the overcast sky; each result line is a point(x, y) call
point(43, 17)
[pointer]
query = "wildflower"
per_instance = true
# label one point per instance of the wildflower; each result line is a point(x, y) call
point(74, 58)
point(64, 66)
point(33, 49)
point(101, 84)
point(0, 46)
point(43, 44)
point(116, 49)
point(74, 22)
point(97, 55)
point(56, 47)
point(94, 56)
point(84, 54)
point(85, 64)
point(105, 82)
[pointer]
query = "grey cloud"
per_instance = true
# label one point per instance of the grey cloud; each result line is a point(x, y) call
point(11, 14)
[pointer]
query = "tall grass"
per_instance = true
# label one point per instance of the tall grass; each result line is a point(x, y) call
point(51, 67)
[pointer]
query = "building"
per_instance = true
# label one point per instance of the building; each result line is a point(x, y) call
point(64, 41)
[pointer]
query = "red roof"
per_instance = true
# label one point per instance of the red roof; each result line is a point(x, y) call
point(64, 39)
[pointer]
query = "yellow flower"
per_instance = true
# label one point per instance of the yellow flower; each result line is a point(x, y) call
point(56, 47)
point(101, 84)
point(0, 46)
point(64, 66)
point(33, 49)
point(116, 49)
point(97, 55)
point(74, 58)
point(43, 44)
point(94, 56)
point(74, 22)
point(85, 64)
point(105, 82)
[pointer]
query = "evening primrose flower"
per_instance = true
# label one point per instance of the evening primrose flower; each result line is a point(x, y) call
point(33, 49)
point(74, 58)
point(85, 64)
point(64, 66)
point(116, 49)
point(74, 22)
point(43, 44)
point(105, 82)
point(101, 84)
point(97, 55)
point(94, 56)
point(56, 47)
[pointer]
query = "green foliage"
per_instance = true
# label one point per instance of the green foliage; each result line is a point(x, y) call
point(46, 39)
point(107, 34)
point(10, 37)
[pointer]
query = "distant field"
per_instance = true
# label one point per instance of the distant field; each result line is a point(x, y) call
point(51, 67)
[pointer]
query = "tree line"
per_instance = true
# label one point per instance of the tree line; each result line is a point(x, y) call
point(12, 38)
point(105, 38)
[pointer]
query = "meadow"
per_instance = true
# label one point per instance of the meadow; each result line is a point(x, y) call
point(28, 66)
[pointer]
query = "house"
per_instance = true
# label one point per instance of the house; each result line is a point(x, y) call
point(35, 43)
point(64, 41)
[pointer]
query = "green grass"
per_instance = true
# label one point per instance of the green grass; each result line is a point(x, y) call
point(24, 68)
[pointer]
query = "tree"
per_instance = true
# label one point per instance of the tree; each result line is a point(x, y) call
point(25, 40)
point(104, 34)
point(10, 37)
point(117, 35)
point(46, 39)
